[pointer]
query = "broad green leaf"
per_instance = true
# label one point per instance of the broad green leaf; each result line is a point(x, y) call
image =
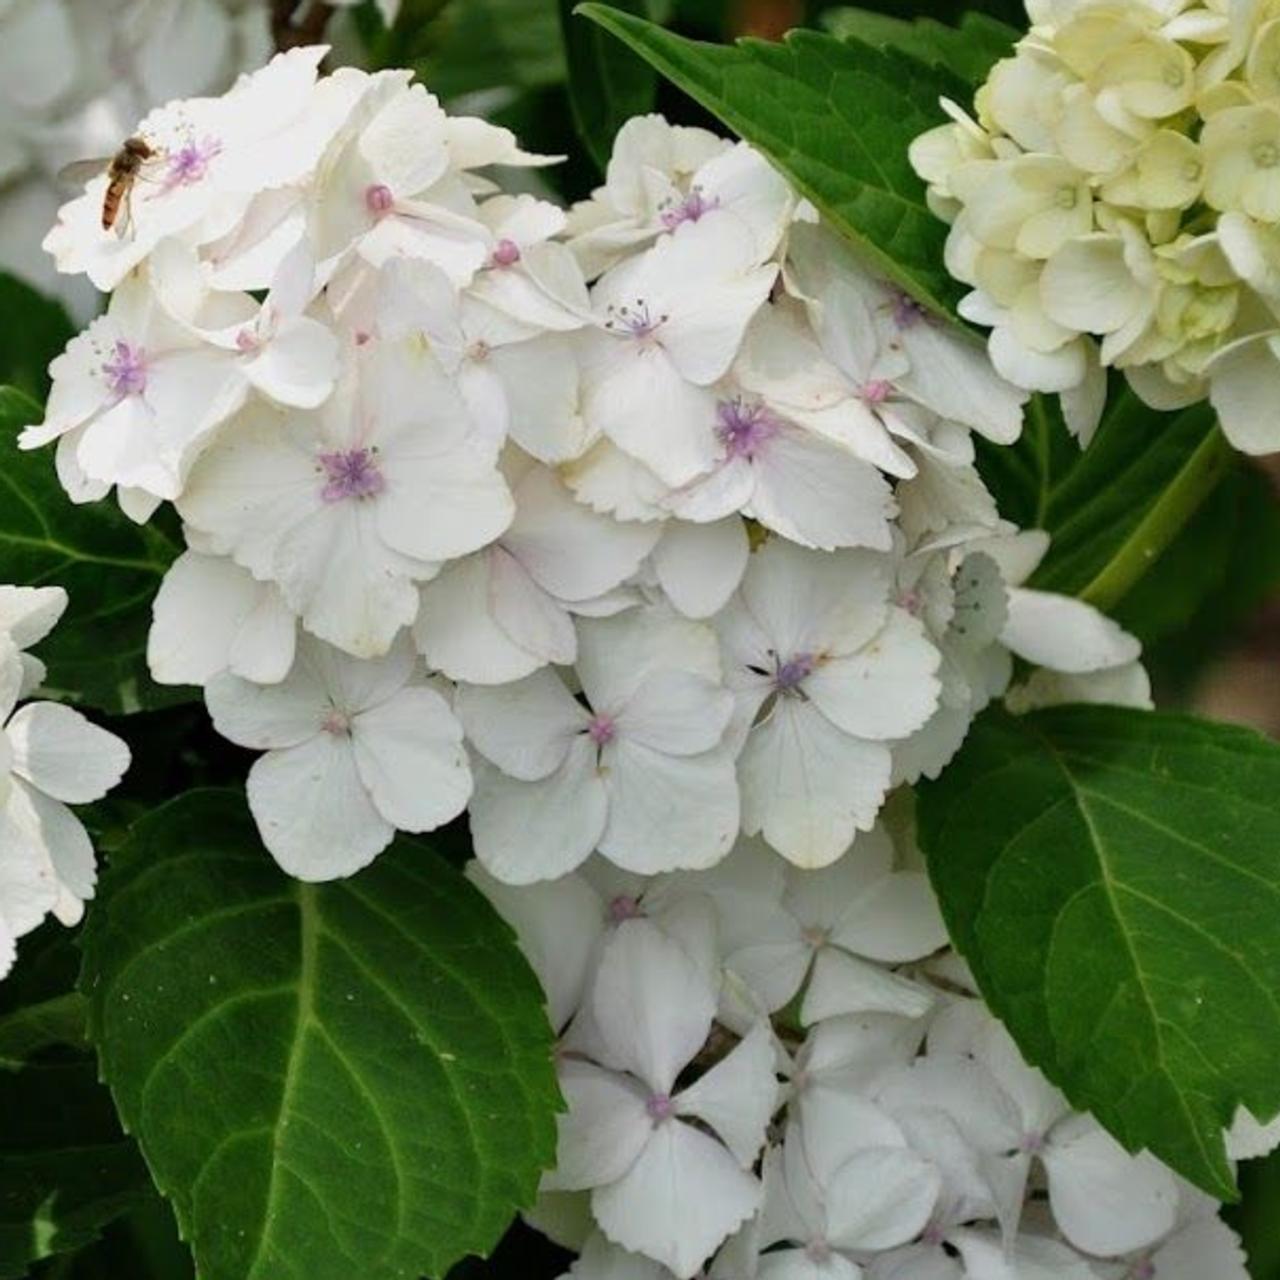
point(835, 116)
point(1114, 508)
point(66, 1168)
point(970, 50)
point(1113, 878)
point(349, 1079)
point(109, 566)
point(608, 84)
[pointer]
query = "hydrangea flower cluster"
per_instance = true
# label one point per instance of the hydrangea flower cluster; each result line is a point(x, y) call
point(631, 529)
point(1114, 206)
point(76, 78)
point(776, 1074)
point(50, 757)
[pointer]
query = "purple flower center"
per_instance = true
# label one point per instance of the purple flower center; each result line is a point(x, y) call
point(634, 322)
point(912, 601)
point(126, 371)
point(660, 1107)
point(690, 209)
point(351, 473)
point(907, 312)
point(378, 199)
point(624, 907)
point(1143, 1269)
point(1031, 1144)
point(190, 163)
point(602, 730)
point(506, 253)
point(744, 429)
point(790, 675)
point(876, 391)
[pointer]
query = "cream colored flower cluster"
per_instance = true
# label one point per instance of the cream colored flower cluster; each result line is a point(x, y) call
point(1115, 204)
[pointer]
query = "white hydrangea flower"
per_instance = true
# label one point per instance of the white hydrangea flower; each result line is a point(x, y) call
point(662, 1186)
point(642, 771)
point(355, 750)
point(51, 757)
point(1118, 185)
point(826, 672)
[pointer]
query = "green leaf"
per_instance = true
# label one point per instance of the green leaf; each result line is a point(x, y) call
point(66, 1168)
point(110, 567)
point(477, 45)
point(1114, 508)
point(835, 116)
point(607, 84)
point(1113, 878)
point(969, 50)
point(36, 330)
point(348, 1079)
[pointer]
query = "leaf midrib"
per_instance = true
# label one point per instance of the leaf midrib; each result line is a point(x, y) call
point(309, 938)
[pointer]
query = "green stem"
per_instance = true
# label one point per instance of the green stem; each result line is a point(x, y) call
point(1208, 465)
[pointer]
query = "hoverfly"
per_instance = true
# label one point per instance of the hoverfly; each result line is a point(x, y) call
point(123, 170)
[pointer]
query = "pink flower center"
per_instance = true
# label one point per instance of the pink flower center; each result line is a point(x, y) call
point(660, 1107)
point(877, 391)
point(690, 209)
point(744, 429)
point(506, 253)
point(933, 1234)
point(634, 321)
point(337, 723)
point(912, 601)
point(352, 473)
point(1143, 1269)
point(815, 936)
point(624, 907)
point(790, 675)
point(190, 162)
point(602, 730)
point(1031, 1144)
point(126, 371)
point(378, 199)
point(818, 1251)
point(246, 341)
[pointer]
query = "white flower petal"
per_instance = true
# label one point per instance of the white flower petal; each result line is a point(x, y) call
point(62, 754)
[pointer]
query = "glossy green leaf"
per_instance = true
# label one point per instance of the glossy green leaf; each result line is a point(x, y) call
point(1113, 878)
point(608, 84)
point(970, 49)
point(110, 567)
point(837, 117)
point(349, 1079)
point(1113, 509)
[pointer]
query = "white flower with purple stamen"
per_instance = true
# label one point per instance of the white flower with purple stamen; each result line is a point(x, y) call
point(826, 673)
point(670, 323)
point(133, 397)
point(793, 481)
point(668, 1169)
point(354, 752)
point(663, 178)
point(212, 155)
point(639, 768)
point(349, 509)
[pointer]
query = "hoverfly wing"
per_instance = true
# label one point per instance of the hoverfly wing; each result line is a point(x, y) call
point(79, 173)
